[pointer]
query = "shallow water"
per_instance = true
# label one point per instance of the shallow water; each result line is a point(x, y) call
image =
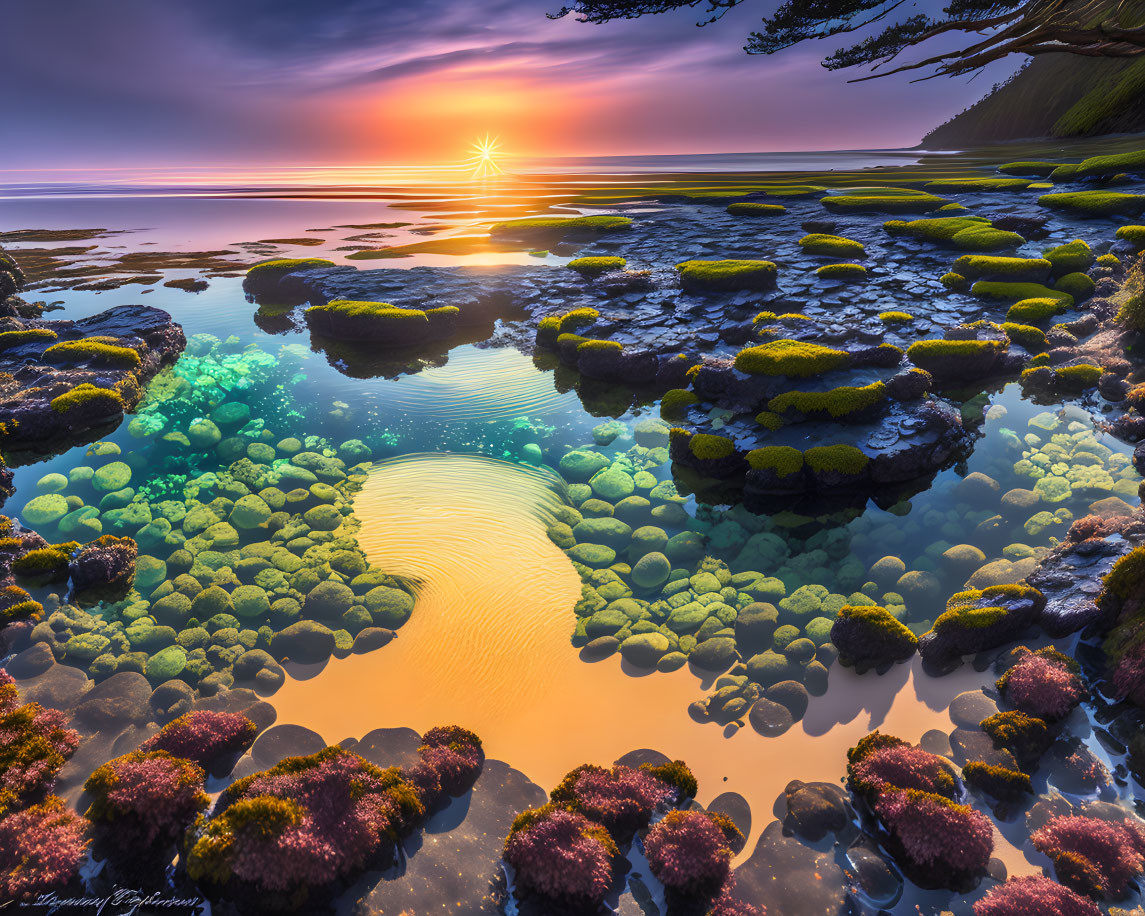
point(488, 648)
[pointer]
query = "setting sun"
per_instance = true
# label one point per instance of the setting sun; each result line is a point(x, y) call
point(484, 158)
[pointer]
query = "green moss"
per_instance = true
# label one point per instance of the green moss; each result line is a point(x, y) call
point(1024, 335)
point(592, 267)
point(552, 327)
point(1070, 257)
point(781, 459)
point(1078, 378)
point(793, 358)
point(699, 276)
point(107, 398)
point(1035, 169)
point(992, 267)
point(560, 225)
point(848, 272)
point(45, 563)
point(1039, 309)
point(998, 289)
point(842, 459)
point(1102, 166)
point(977, 184)
point(599, 346)
point(1126, 578)
point(1078, 285)
point(1108, 260)
point(927, 352)
point(675, 403)
point(93, 350)
point(751, 208)
point(707, 447)
point(764, 318)
point(852, 202)
point(1096, 203)
point(369, 312)
point(769, 420)
point(9, 339)
point(838, 402)
point(1135, 235)
point(831, 246)
point(1131, 313)
point(1001, 782)
point(288, 265)
point(968, 233)
point(955, 282)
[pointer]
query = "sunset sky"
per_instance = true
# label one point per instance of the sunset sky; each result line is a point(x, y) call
point(292, 82)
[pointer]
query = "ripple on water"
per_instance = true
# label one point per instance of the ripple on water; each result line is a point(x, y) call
point(488, 647)
point(479, 384)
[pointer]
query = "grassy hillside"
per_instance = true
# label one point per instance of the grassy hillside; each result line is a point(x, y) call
point(1058, 95)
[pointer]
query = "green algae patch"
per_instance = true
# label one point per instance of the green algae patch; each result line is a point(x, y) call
point(1025, 335)
point(936, 355)
point(885, 202)
point(998, 289)
point(752, 208)
point(1077, 285)
point(1036, 309)
point(10, 339)
point(1101, 166)
point(992, 267)
point(851, 273)
point(675, 403)
point(792, 358)
point(347, 319)
point(831, 246)
point(968, 233)
point(90, 398)
point(1096, 203)
point(840, 459)
point(838, 402)
point(288, 265)
point(896, 317)
point(593, 267)
point(783, 460)
point(95, 350)
point(977, 184)
point(1069, 258)
point(559, 226)
point(708, 447)
point(1134, 235)
point(1032, 169)
point(728, 275)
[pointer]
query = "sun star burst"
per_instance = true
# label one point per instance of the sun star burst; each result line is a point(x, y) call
point(484, 158)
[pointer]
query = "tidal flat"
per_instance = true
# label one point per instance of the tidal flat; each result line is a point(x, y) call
point(650, 541)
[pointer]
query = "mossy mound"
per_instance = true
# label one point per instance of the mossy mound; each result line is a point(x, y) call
point(97, 351)
point(752, 208)
point(380, 322)
point(1036, 309)
point(999, 289)
point(1070, 258)
point(1096, 203)
point(1134, 235)
point(726, 276)
point(594, 267)
point(844, 401)
point(1101, 166)
point(1014, 270)
point(883, 200)
point(870, 637)
point(956, 359)
point(851, 273)
point(792, 358)
point(831, 246)
point(977, 184)
point(968, 233)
